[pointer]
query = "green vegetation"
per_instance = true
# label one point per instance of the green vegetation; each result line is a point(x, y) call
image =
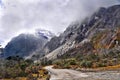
point(92, 60)
point(102, 51)
point(45, 62)
point(15, 67)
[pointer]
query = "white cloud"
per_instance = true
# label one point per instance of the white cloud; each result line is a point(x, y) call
point(26, 15)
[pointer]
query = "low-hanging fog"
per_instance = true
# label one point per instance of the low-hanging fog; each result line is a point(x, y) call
point(17, 16)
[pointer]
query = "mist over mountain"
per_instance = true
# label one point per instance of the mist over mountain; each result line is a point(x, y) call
point(98, 33)
point(53, 15)
point(26, 44)
point(104, 21)
point(59, 39)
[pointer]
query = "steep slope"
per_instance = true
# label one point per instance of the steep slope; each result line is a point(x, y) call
point(67, 37)
point(80, 35)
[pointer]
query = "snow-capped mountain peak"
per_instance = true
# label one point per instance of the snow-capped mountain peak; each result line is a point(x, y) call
point(45, 33)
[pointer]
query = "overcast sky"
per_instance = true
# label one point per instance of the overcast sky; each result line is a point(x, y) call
point(17, 16)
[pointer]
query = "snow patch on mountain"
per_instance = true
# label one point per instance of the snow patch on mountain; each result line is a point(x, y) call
point(45, 33)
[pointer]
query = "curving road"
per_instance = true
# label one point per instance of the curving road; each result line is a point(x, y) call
point(65, 74)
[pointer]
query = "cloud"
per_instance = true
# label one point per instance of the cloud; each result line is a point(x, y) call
point(55, 15)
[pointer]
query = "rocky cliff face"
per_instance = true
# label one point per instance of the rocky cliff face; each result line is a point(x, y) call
point(100, 28)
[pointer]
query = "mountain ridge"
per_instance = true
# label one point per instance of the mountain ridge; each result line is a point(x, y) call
point(102, 20)
point(26, 44)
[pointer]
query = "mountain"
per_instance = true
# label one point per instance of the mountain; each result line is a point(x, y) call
point(45, 33)
point(1, 50)
point(96, 34)
point(25, 45)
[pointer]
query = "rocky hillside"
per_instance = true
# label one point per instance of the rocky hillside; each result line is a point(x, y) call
point(95, 34)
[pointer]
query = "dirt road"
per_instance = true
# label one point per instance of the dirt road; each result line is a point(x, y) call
point(66, 74)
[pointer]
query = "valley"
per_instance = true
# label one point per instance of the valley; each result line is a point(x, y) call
point(87, 50)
